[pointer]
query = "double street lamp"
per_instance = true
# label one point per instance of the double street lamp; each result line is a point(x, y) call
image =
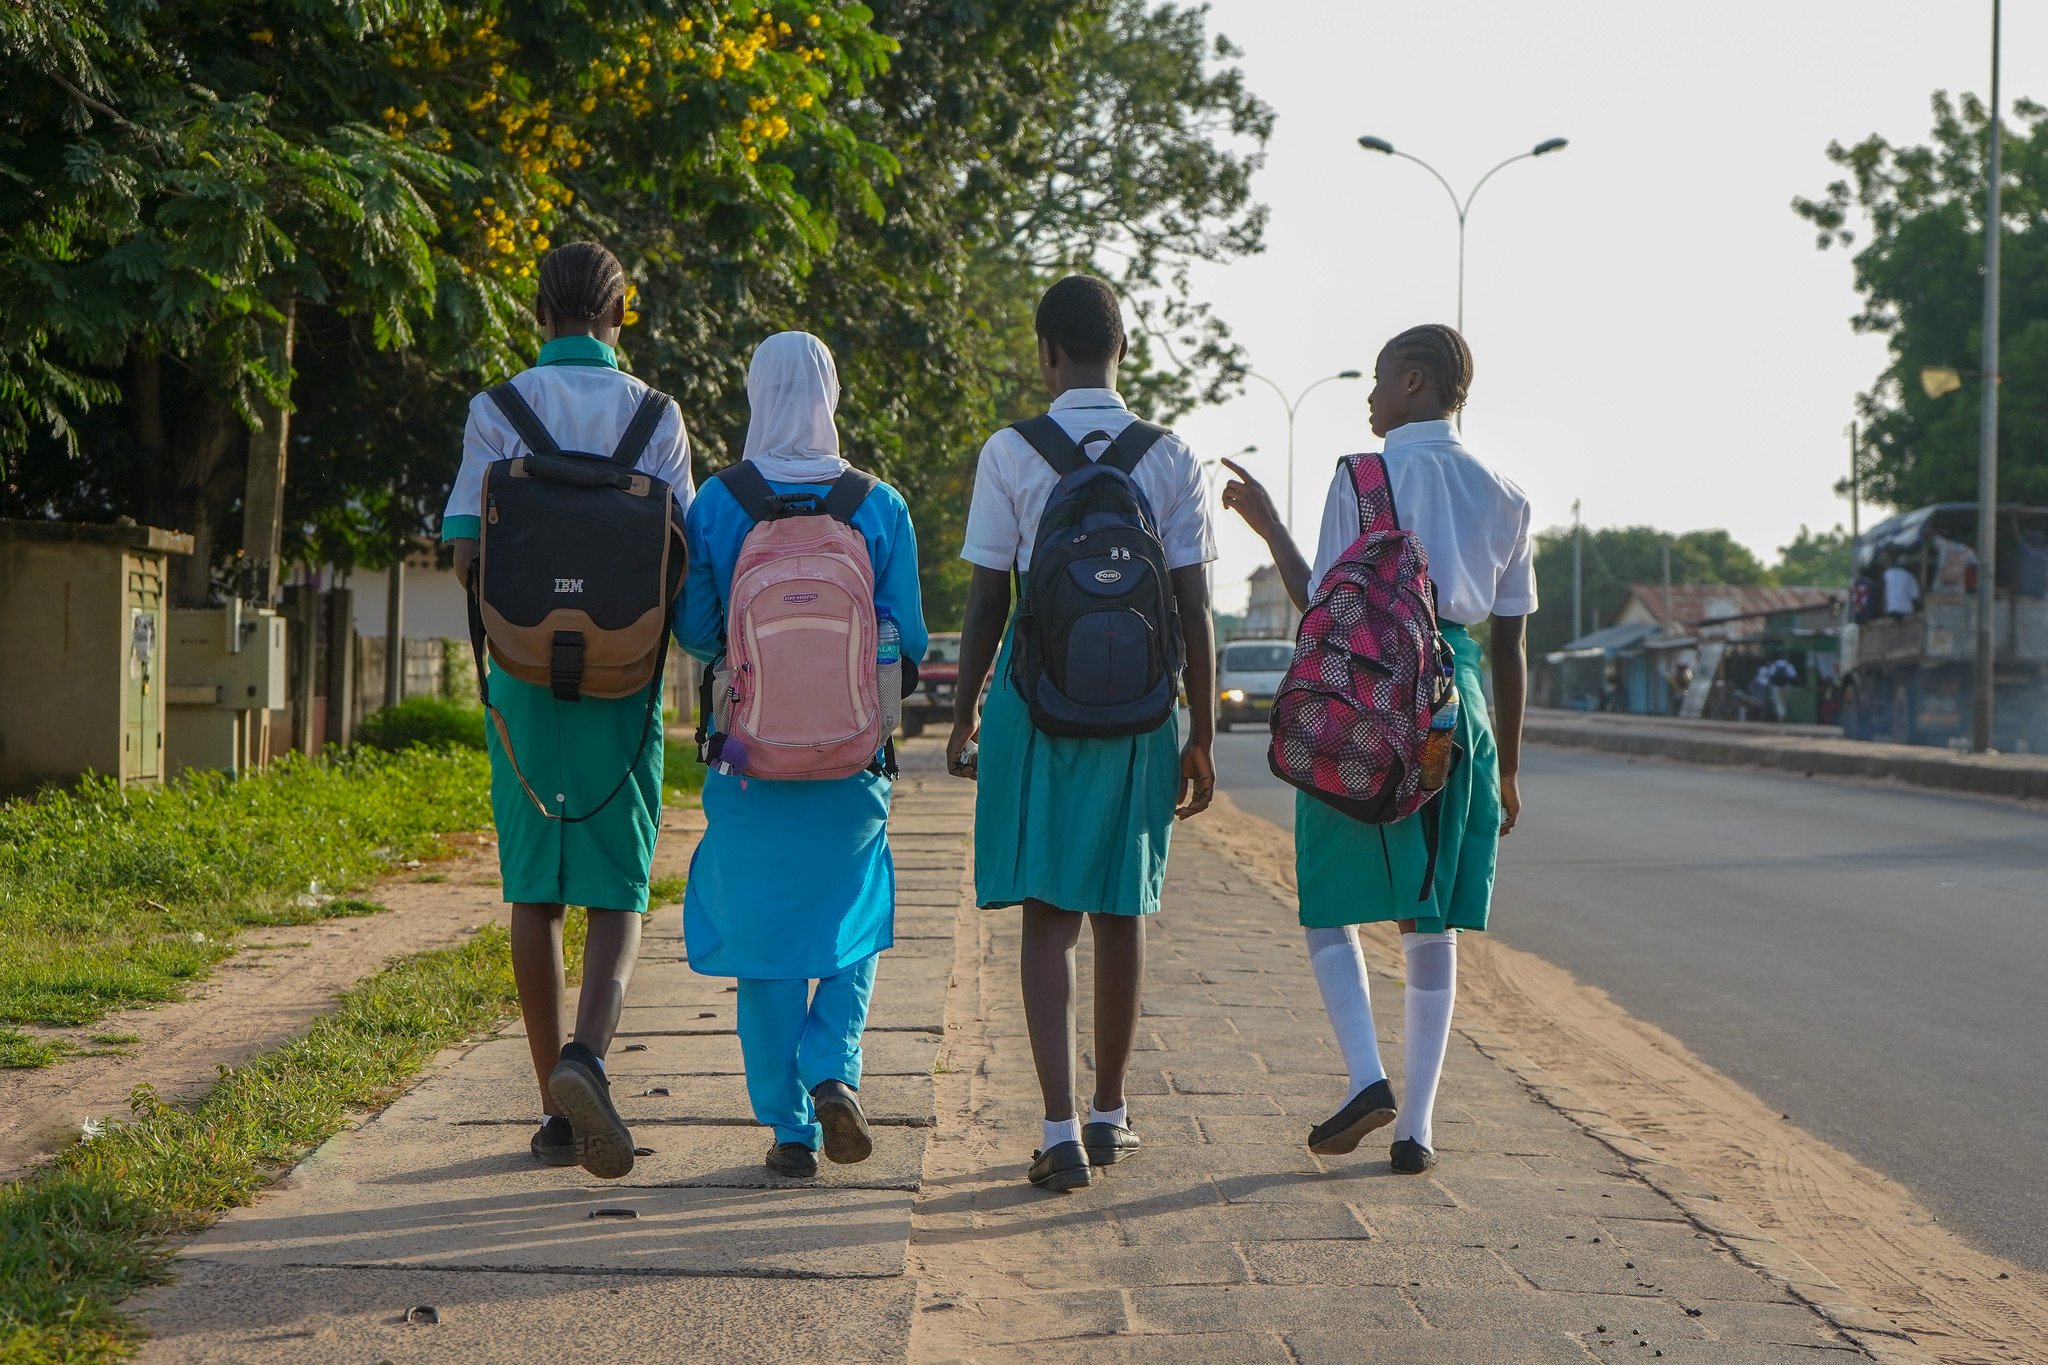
point(1292, 406)
point(1463, 207)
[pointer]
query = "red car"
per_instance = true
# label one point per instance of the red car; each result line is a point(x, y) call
point(936, 678)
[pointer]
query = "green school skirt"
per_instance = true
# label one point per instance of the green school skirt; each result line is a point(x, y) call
point(1350, 872)
point(573, 754)
point(1082, 824)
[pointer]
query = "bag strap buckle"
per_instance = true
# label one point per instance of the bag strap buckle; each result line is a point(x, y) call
point(565, 666)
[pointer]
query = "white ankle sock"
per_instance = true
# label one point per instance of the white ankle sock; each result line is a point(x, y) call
point(1340, 976)
point(1432, 987)
point(1058, 1131)
point(1120, 1116)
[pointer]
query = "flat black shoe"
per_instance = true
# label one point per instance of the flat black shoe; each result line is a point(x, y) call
point(1061, 1168)
point(1108, 1143)
point(554, 1142)
point(793, 1159)
point(1370, 1108)
point(604, 1145)
point(847, 1139)
point(1410, 1157)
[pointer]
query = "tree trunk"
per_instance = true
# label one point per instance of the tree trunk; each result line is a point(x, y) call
point(203, 474)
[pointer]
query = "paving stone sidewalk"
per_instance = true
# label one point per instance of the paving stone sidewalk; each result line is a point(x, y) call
point(1224, 1241)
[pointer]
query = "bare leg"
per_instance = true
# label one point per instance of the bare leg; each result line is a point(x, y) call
point(610, 950)
point(1119, 999)
point(1047, 969)
point(537, 971)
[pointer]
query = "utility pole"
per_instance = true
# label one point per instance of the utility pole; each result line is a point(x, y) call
point(1855, 493)
point(1577, 571)
point(1987, 438)
point(394, 631)
point(1670, 625)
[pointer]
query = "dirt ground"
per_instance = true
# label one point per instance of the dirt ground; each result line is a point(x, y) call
point(1860, 1228)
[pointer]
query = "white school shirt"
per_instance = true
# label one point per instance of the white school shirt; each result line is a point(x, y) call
point(1472, 520)
point(584, 407)
point(1012, 482)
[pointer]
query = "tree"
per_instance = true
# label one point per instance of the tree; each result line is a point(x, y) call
point(1815, 561)
point(1920, 274)
point(1618, 557)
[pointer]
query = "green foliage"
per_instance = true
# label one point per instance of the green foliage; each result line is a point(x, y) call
point(81, 1236)
point(1616, 558)
point(429, 722)
point(1818, 561)
point(1920, 271)
point(113, 896)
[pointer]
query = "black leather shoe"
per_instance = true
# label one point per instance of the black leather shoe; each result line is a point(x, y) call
point(793, 1159)
point(554, 1142)
point(1410, 1157)
point(1108, 1143)
point(847, 1139)
point(1061, 1168)
point(577, 1085)
point(1370, 1108)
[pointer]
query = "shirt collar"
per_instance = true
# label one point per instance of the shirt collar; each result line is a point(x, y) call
point(578, 350)
point(1414, 433)
point(1087, 398)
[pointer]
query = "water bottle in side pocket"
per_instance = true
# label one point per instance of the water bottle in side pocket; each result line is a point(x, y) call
point(889, 673)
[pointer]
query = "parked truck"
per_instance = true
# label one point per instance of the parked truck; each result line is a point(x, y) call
point(1909, 652)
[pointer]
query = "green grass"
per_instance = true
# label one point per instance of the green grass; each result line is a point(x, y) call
point(80, 1236)
point(665, 891)
point(18, 1049)
point(116, 1039)
point(429, 722)
point(111, 897)
point(682, 776)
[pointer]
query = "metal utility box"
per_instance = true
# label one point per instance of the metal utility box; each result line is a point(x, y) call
point(226, 671)
point(82, 625)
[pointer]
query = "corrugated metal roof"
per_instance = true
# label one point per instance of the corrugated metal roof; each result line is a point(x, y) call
point(1693, 603)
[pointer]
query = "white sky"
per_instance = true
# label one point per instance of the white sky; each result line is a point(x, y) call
point(1654, 331)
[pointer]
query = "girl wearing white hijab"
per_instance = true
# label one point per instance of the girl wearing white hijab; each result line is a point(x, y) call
point(793, 882)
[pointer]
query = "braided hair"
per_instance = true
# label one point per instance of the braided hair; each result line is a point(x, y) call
point(1442, 356)
point(580, 282)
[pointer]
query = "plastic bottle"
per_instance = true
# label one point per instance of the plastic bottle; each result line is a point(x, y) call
point(1439, 743)
point(889, 673)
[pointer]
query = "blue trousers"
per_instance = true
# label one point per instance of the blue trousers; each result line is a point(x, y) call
point(793, 1039)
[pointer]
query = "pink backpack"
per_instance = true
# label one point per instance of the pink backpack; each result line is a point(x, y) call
point(800, 700)
point(1353, 717)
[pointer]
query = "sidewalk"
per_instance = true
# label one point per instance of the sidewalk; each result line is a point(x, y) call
point(1225, 1240)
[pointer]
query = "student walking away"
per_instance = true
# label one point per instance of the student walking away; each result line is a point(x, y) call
point(569, 507)
point(1404, 676)
point(1101, 518)
point(803, 596)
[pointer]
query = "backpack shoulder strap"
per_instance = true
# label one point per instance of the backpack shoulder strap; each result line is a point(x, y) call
point(1375, 490)
point(523, 419)
point(1051, 441)
point(849, 491)
point(654, 405)
point(1131, 445)
point(751, 491)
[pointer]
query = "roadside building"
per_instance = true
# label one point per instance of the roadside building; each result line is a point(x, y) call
point(1270, 613)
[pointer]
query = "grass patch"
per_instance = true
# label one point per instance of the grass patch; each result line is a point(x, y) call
point(665, 891)
point(427, 722)
point(116, 1039)
point(21, 1050)
point(111, 897)
point(79, 1237)
point(682, 776)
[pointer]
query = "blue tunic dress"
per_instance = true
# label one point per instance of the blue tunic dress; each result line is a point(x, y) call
point(792, 880)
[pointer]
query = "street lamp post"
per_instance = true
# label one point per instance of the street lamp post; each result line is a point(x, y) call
point(1463, 207)
point(1292, 407)
point(1987, 436)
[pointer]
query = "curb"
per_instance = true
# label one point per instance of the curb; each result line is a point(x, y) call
point(1749, 1243)
point(2010, 776)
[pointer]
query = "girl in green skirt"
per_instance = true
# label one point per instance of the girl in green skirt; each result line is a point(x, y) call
point(1474, 525)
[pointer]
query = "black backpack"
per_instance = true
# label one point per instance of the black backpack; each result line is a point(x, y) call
point(1098, 649)
point(579, 564)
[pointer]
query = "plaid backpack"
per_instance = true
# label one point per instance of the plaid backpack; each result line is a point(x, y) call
point(1372, 679)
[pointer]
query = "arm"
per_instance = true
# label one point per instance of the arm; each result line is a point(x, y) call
point(1247, 497)
point(1198, 631)
point(898, 590)
point(700, 617)
point(981, 633)
point(1510, 695)
point(465, 555)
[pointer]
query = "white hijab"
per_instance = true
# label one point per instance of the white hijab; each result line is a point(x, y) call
point(793, 389)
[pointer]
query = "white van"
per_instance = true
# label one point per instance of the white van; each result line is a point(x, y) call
point(1248, 673)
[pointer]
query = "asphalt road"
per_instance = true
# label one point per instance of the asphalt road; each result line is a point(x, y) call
point(1870, 962)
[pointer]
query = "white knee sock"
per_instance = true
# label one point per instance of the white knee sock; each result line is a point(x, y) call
point(1340, 976)
point(1432, 986)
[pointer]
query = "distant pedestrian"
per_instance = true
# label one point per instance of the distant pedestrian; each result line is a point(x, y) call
point(1474, 524)
point(1901, 590)
point(1079, 760)
point(572, 753)
point(793, 889)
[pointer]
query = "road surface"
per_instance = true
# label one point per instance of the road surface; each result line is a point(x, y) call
point(1871, 962)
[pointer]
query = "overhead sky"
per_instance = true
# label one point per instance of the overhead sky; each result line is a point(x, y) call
point(1655, 332)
